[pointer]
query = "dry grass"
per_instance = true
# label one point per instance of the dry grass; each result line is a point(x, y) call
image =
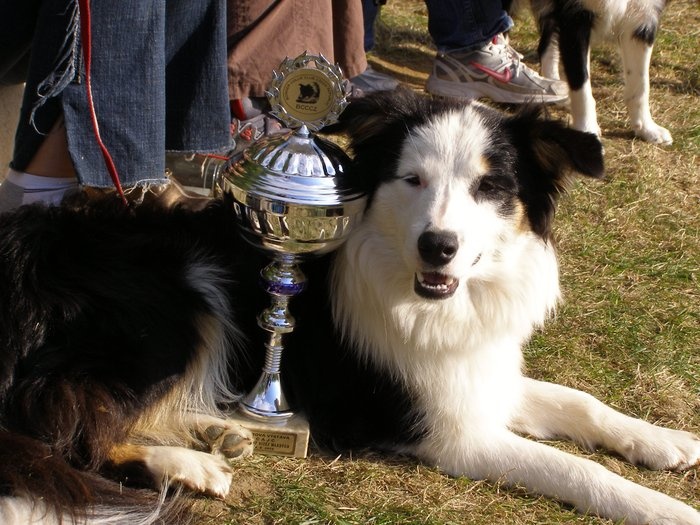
point(628, 331)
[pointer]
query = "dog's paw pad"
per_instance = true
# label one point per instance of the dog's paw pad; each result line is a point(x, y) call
point(236, 445)
point(229, 439)
point(213, 432)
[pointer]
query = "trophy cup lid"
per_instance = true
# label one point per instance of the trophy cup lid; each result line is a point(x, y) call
point(291, 192)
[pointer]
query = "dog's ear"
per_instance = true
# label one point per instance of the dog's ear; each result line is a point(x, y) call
point(375, 114)
point(549, 156)
point(377, 124)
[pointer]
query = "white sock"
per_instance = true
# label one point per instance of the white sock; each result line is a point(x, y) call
point(24, 188)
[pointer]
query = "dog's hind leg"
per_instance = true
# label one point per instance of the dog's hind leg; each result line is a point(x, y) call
point(157, 466)
point(549, 59)
point(548, 48)
point(550, 411)
point(636, 57)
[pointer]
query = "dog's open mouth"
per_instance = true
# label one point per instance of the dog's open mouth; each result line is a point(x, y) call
point(434, 285)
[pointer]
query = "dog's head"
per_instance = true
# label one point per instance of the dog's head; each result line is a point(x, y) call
point(454, 186)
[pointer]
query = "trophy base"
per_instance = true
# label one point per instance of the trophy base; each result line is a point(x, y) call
point(288, 437)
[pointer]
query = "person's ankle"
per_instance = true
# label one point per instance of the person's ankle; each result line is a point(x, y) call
point(21, 188)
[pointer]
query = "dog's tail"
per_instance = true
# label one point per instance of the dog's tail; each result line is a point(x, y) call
point(38, 487)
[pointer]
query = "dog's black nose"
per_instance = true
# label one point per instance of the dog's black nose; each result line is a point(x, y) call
point(437, 247)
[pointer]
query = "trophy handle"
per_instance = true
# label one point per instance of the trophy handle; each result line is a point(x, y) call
point(282, 280)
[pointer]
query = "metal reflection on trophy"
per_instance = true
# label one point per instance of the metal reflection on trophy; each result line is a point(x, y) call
point(293, 200)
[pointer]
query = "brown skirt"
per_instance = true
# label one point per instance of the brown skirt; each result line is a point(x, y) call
point(261, 33)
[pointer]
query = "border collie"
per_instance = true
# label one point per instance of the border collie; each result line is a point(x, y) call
point(566, 30)
point(126, 332)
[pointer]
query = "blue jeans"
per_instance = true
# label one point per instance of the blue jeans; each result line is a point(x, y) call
point(369, 13)
point(158, 81)
point(465, 24)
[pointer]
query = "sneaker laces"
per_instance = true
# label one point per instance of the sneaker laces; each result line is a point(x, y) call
point(247, 130)
point(504, 49)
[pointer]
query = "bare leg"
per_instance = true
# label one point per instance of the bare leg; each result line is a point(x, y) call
point(52, 158)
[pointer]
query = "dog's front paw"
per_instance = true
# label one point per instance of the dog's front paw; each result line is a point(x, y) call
point(229, 439)
point(660, 448)
point(196, 471)
point(676, 513)
point(654, 133)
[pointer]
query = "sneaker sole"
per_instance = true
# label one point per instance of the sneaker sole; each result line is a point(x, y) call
point(475, 90)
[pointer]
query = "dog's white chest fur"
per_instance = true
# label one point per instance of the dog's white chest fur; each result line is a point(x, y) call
point(459, 356)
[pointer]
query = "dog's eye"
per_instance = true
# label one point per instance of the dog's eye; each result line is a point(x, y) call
point(486, 186)
point(494, 184)
point(412, 180)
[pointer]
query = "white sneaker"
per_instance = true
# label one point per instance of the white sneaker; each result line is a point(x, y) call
point(494, 71)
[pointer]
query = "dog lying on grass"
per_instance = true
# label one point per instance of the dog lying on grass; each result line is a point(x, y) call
point(126, 333)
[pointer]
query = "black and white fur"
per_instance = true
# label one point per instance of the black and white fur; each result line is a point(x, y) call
point(567, 29)
point(125, 332)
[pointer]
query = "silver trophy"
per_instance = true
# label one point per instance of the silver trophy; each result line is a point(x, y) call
point(293, 201)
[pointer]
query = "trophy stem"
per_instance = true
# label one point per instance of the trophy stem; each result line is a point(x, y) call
point(282, 280)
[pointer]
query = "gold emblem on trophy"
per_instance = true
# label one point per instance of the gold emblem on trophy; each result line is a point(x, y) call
point(307, 91)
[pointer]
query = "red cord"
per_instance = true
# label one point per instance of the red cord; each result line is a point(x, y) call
point(217, 157)
point(86, 37)
point(237, 109)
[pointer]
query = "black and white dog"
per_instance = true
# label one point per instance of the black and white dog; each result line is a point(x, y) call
point(567, 28)
point(124, 332)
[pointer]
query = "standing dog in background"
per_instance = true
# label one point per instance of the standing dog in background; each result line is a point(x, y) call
point(567, 28)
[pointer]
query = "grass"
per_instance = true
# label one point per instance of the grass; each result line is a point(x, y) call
point(627, 332)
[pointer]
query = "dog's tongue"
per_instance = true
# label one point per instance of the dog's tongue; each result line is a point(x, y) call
point(434, 278)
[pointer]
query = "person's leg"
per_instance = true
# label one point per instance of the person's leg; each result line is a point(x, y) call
point(370, 9)
point(132, 47)
point(465, 24)
point(128, 87)
point(370, 80)
point(41, 169)
point(127, 84)
point(47, 177)
point(475, 60)
point(197, 104)
point(52, 158)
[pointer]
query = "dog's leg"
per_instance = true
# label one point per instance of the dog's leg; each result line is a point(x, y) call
point(157, 465)
point(636, 57)
point(548, 48)
point(222, 436)
point(549, 60)
point(501, 456)
point(550, 411)
point(583, 107)
point(574, 48)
